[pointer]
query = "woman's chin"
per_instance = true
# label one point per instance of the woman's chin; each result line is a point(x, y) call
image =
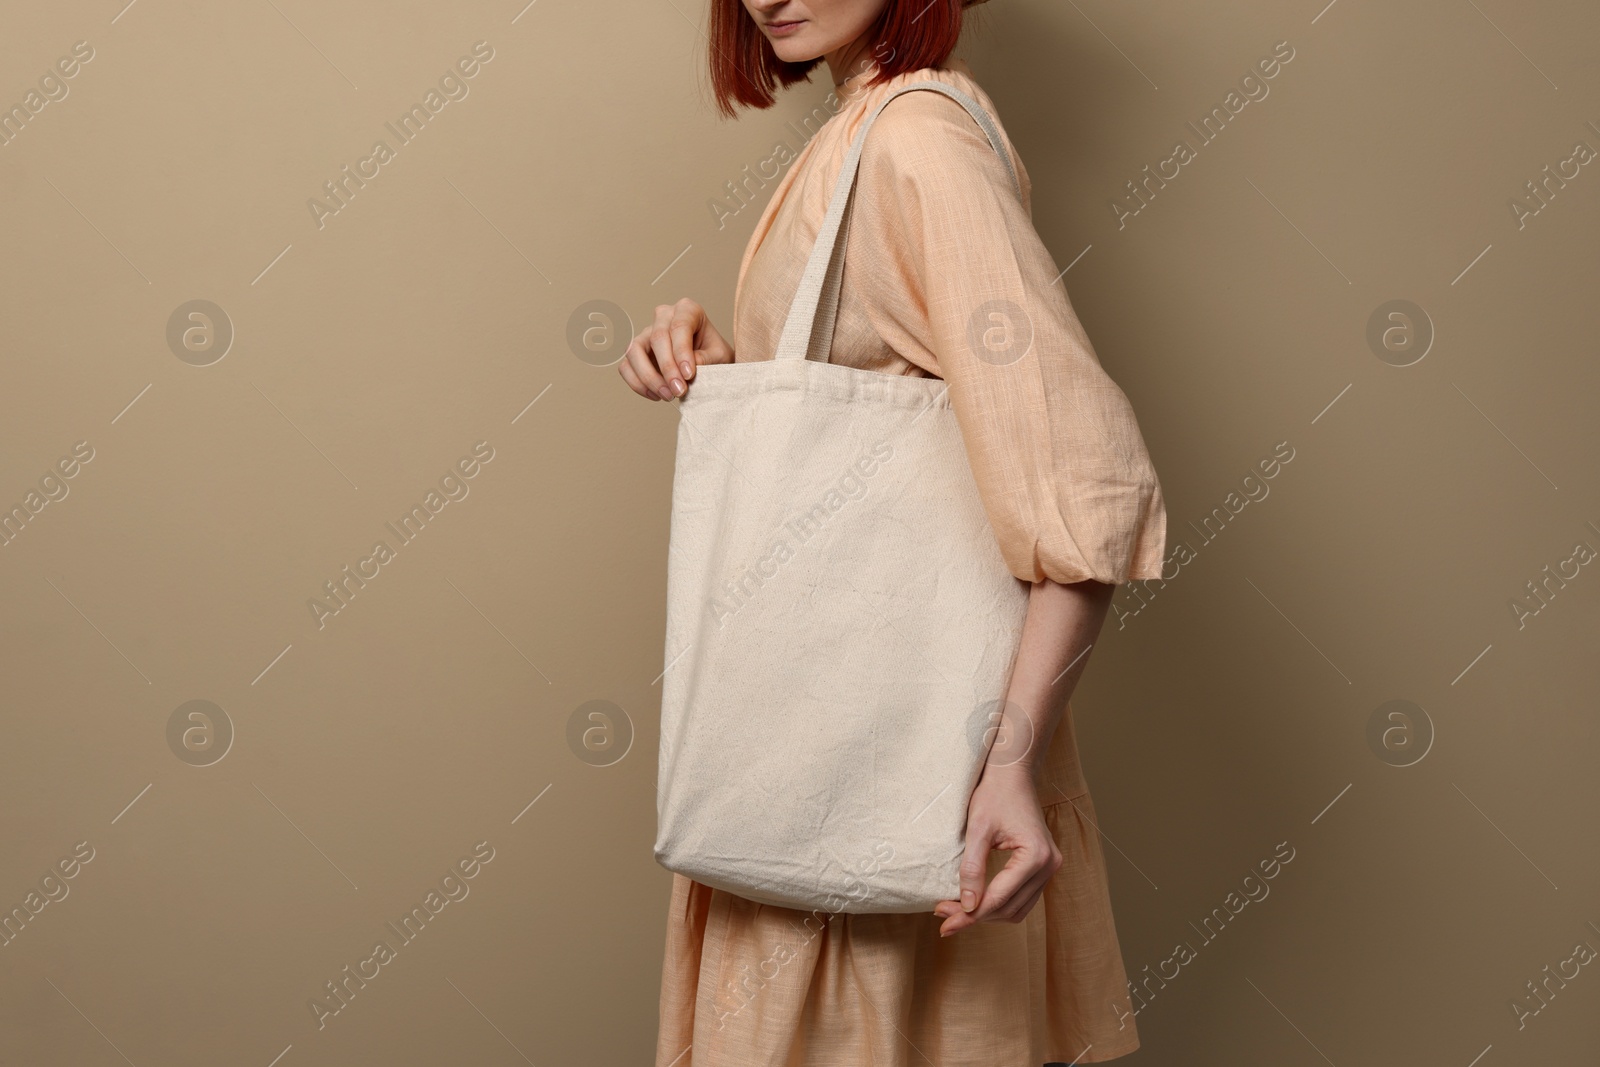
point(792, 51)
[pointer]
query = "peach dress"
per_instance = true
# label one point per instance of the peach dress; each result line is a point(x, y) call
point(944, 275)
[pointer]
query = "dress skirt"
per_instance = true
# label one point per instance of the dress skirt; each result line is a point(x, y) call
point(746, 984)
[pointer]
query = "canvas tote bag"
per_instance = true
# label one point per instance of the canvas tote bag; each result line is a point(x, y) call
point(841, 626)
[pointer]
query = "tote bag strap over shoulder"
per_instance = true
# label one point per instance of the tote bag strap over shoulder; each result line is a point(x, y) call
point(808, 331)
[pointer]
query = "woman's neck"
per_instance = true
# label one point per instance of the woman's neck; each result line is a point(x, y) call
point(847, 61)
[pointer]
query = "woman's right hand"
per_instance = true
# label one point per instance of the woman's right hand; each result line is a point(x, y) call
point(661, 360)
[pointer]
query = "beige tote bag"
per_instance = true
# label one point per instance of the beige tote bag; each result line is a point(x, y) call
point(841, 627)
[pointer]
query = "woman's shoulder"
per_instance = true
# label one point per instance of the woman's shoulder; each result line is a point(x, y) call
point(927, 129)
point(931, 106)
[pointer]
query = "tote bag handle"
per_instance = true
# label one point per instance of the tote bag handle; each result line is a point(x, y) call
point(808, 331)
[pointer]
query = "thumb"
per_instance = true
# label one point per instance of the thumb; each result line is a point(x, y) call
point(974, 865)
point(712, 347)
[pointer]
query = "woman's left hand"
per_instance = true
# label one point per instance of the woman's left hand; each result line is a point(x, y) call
point(1004, 813)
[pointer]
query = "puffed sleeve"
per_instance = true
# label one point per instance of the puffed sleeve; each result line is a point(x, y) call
point(951, 269)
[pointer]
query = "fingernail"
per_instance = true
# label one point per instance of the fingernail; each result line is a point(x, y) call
point(944, 933)
point(968, 900)
point(688, 371)
point(677, 387)
point(666, 394)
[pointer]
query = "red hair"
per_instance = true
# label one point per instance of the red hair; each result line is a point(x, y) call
point(744, 68)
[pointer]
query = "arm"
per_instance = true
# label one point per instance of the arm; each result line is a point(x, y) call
point(954, 276)
point(1061, 625)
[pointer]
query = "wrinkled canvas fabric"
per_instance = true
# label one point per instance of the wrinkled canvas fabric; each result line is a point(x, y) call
point(841, 625)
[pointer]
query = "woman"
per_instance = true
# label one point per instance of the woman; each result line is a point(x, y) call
point(944, 276)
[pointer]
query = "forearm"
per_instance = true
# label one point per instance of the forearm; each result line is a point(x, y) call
point(1062, 623)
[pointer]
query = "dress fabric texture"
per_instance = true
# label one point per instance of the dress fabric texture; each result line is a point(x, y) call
point(945, 276)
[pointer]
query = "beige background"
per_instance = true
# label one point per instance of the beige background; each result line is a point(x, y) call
point(369, 754)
